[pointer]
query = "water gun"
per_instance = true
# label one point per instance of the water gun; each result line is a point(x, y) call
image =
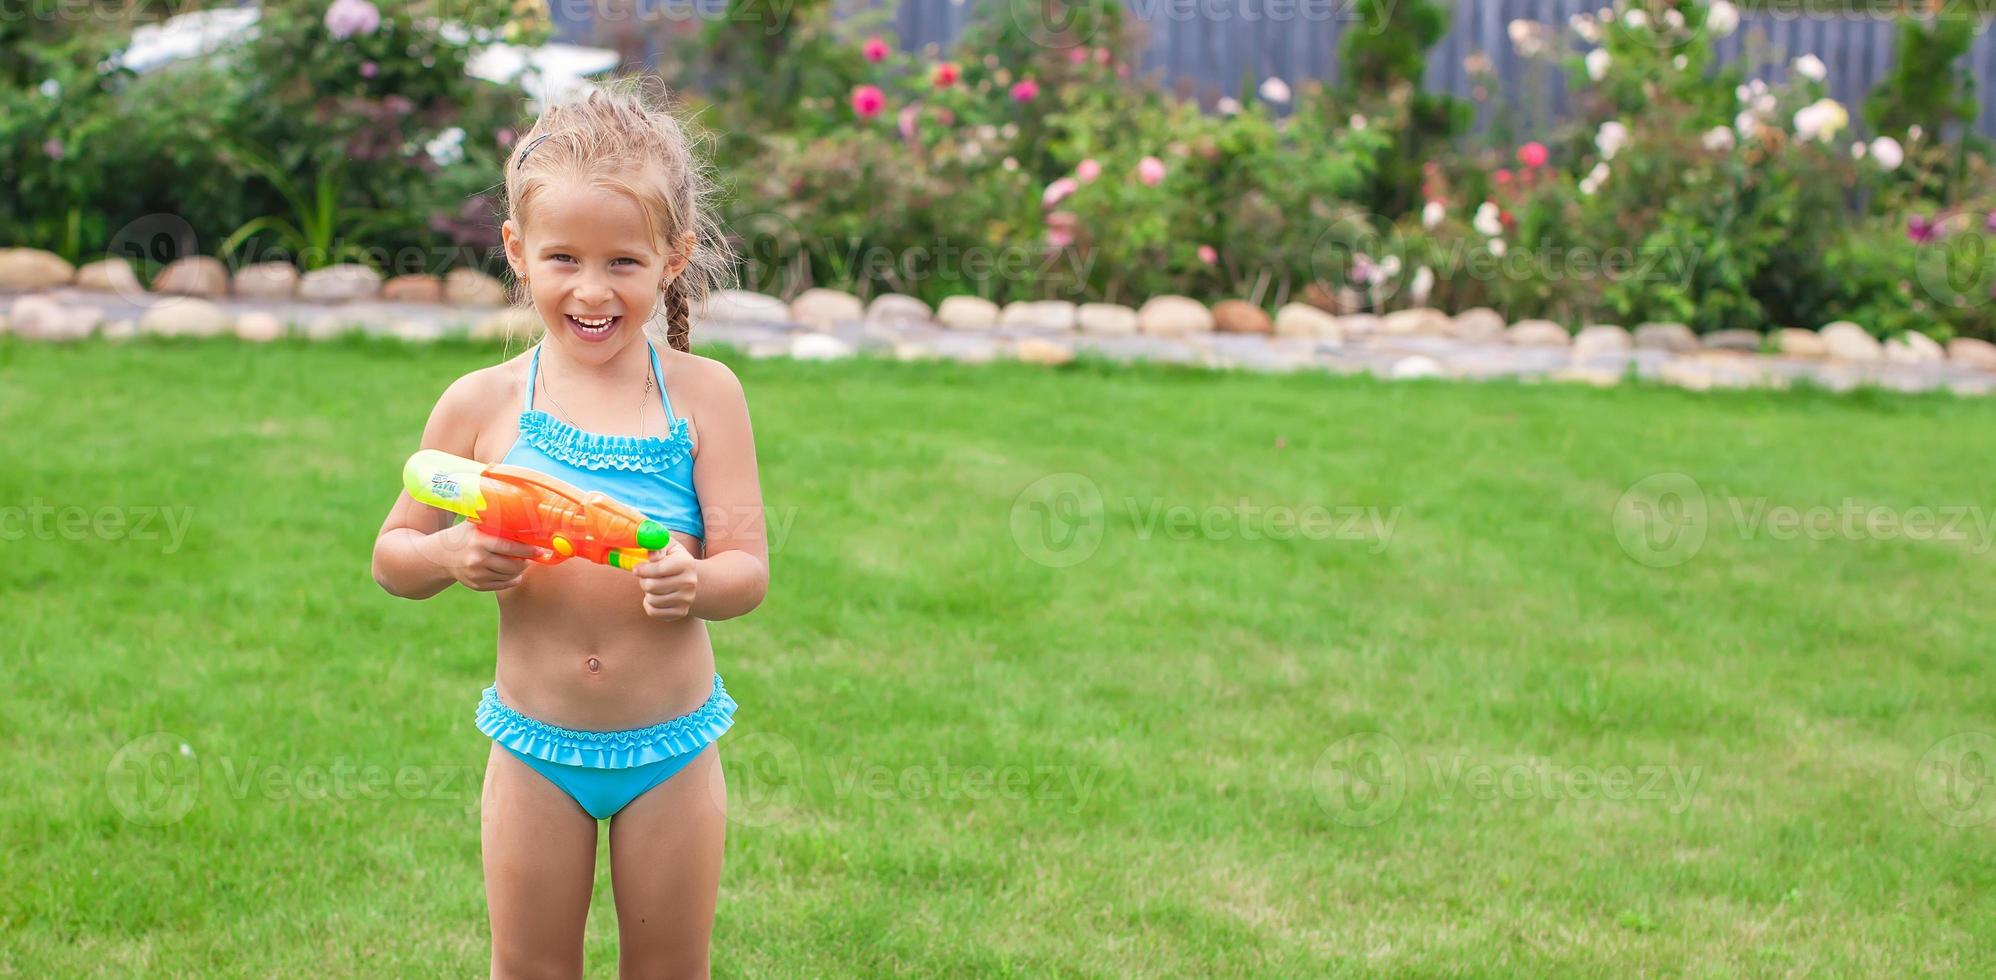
point(532, 508)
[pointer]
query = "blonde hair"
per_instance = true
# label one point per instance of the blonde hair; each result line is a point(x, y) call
point(623, 138)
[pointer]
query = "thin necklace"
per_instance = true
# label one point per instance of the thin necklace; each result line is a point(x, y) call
point(570, 419)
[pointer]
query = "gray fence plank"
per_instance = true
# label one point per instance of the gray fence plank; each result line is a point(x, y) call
point(1206, 46)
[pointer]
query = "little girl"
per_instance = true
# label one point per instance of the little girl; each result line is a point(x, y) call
point(606, 704)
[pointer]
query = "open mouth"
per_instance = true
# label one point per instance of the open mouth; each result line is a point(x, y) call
point(592, 327)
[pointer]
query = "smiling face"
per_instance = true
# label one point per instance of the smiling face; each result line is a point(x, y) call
point(591, 265)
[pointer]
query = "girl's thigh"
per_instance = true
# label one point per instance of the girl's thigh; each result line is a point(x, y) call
point(540, 865)
point(665, 870)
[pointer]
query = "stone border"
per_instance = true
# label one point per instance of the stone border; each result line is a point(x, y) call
point(825, 324)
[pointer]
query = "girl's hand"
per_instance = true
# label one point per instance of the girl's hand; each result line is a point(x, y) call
point(669, 580)
point(478, 560)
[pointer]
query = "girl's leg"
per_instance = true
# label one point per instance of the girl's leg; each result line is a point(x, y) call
point(540, 865)
point(665, 869)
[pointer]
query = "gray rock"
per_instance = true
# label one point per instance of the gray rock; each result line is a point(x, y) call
point(1673, 337)
point(44, 318)
point(1736, 341)
point(1478, 325)
point(110, 276)
point(1304, 320)
point(1417, 322)
point(1797, 342)
point(1358, 325)
point(896, 308)
point(819, 347)
point(1972, 352)
point(742, 306)
point(32, 268)
point(1106, 319)
point(186, 316)
point(823, 309)
point(1037, 350)
point(1174, 316)
point(1913, 347)
point(267, 280)
point(194, 275)
point(1846, 341)
point(339, 284)
point(470, 287)
point(1601, 339)
point(967, 313)
point(1048, 314)
point(258, 326)
point(1538, 333)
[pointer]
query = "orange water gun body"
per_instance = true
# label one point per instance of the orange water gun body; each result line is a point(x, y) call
point(532, 508)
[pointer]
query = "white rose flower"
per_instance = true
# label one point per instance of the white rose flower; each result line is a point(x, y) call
point(1857, 151)
point(1275, 90)
point(1357, 122)
point(447, 148)
point(1422, 286)
point(1487, 223)
point(1432, 215)
point(1673, 19)
point(1636, 18)
point(1598, 61)
point(1719, 139)
point(1228, 106)
point(1680, 62)
point(1722, 19)
point(1747, 123)
point(1821, 120)
point(1594, 179)
point(1610, 140)
point(50, 88)
point(1586, 26)
point(1887, 152)
point(1497, 247)
point(1812, 68)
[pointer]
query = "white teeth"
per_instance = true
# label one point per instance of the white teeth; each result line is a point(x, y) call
point(593, 322)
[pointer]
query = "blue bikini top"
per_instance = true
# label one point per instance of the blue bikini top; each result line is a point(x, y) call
point(652, 473)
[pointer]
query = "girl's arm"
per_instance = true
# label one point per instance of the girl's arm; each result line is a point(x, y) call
point(733, 578)
point(419, 551)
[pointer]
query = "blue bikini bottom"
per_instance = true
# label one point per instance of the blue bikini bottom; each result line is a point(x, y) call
point(604, 771)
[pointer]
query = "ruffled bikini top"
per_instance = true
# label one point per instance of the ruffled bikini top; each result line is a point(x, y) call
point(651, 473)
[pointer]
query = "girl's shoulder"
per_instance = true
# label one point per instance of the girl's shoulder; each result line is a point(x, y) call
point(479, 395)
point(701, 378)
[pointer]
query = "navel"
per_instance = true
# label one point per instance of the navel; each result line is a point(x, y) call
point(595, 665)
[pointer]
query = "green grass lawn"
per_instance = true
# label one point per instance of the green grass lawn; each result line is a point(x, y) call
point(991, 728)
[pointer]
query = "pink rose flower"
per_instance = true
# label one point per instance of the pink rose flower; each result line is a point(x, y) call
point(867, 101)
point(1534, 155)
point(346, 18)
point(1087, 170)
point(1058, 191)
point(1922, 229)
point(875, 49)
point(1207, 255)
point(1077, 56)
point(1025, 90)
point(946, 75)
point(53, 148)
point(1102, 56)
point(507, 137)
point(908, 117)
point(1150, 170)
point(369, 69)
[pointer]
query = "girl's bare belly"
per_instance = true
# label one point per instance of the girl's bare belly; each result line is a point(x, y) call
point(576, 650)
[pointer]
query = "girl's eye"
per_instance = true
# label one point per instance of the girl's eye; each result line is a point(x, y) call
point(562, 257)
point(625, 261)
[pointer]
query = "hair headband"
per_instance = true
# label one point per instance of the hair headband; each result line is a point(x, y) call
point(536, 141)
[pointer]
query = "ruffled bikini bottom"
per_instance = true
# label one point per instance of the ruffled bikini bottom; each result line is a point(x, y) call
point(604, 771)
